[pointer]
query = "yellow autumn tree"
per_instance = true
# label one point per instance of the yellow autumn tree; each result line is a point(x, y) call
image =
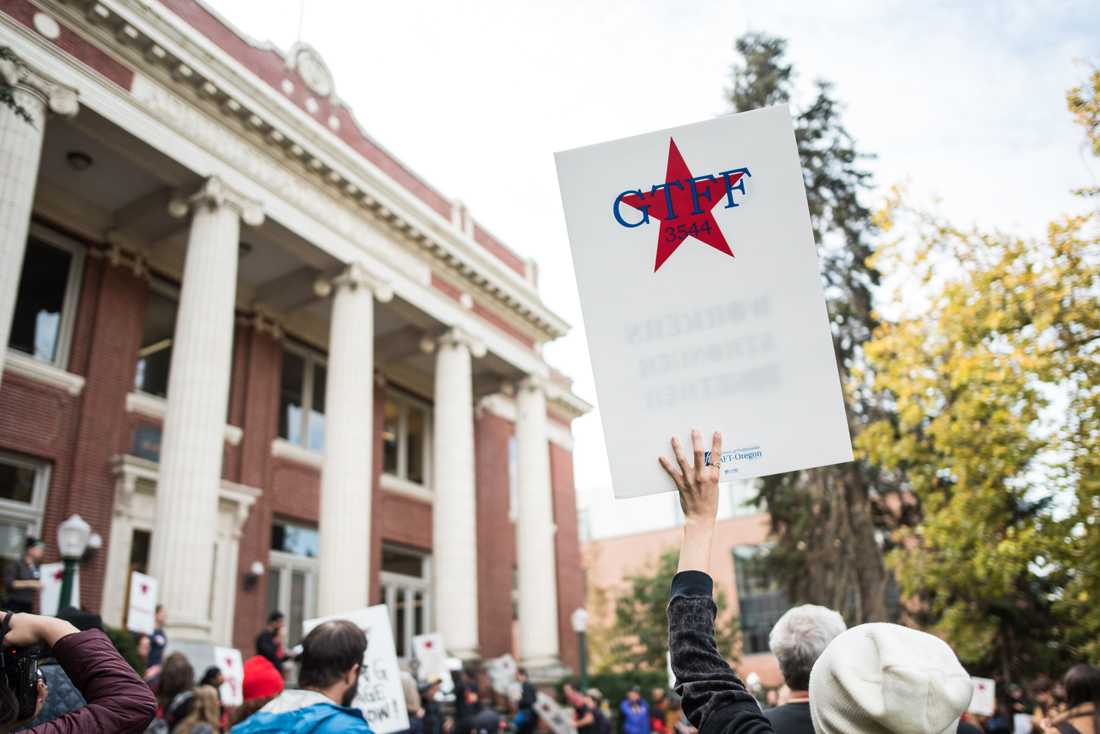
point(992, 366)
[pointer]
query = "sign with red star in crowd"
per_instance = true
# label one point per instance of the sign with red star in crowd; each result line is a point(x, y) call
point(702, 299)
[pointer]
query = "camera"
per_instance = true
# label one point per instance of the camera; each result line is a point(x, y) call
point(20, 670)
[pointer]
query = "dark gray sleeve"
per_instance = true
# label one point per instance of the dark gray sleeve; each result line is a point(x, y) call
point(715, 700)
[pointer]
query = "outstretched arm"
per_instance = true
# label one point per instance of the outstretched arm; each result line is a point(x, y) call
point(714, 698)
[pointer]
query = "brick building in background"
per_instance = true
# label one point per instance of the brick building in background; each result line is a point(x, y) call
point(265, 361)
point(740, 538)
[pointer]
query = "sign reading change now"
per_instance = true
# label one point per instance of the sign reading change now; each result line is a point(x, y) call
point(698, 278)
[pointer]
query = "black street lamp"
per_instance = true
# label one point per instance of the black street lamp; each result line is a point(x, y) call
point(72, 540)
point(580, 626)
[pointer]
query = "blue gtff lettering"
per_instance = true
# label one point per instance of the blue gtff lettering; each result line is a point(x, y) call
point(696, 193)
point(740, 186)
point(668, 197)
point(619, 217)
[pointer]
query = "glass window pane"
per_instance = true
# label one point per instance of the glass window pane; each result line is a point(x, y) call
point(299, 540)
point(290, 397)
point(297, 606)
point(419, 627)
point(273, 576)
point(16, 483)
point(399, 625)
point(36, 325)
point(13, 535)
point(155, 354)
point(391, 414)
point(317, 409)
point(417, 426)
point(403, 562)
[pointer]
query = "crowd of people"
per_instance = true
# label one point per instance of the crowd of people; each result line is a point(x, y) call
point(869, 679)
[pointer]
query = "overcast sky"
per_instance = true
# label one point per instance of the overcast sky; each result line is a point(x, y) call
point(961, 104)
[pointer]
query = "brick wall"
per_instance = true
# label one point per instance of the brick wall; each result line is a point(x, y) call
point(496, 555)
point(254, 406)
point(112, 309)
point(568, 551)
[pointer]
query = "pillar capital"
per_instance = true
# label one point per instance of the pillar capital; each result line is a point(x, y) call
point(456, 336)
point(354, 277)
point(215, 193)
point(533, 383)
point(59, 98)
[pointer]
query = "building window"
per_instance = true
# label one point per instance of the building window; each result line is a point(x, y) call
point(302, 398)
point(406, 592)
point(45, 304)
point(23, 486)
point(157, 333)
point(406, 439)
point(292, 574)
point(760, 600)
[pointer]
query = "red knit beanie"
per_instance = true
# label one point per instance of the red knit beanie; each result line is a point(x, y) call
point(261, 679)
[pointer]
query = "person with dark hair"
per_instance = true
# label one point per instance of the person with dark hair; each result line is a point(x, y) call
point(117, 700)
point(526, 718)
point(269, 642)
point(1082, 684)
point(22, 580)
point(478, 718)
point(158, 641)
point(331, 662)
point(635, 712)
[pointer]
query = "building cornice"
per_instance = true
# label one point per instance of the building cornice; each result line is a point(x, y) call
point(162, 46)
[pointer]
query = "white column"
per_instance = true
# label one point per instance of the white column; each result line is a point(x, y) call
point(20, 150)
point(538, 585)
point(346, 478)
point(454, 514)
point(185, 525)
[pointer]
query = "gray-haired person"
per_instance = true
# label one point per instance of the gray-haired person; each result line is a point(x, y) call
point(797, 641)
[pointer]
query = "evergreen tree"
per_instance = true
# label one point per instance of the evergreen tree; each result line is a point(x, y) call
point(826, 523)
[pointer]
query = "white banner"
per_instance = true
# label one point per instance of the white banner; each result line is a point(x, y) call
point(702, 301)
point(431, 657)
point(380, 696)
point(49, 596)
point(560, 720)
point(228, 660)
point(502, 673)
point(141, 613)
point(984, 701)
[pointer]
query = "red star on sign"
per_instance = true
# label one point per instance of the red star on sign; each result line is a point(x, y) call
point(58, 575)
point(427, 644)
point(144, 588)
point(687, 213)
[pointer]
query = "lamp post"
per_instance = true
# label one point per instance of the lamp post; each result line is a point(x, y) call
point(580, 626)
point(72, 540)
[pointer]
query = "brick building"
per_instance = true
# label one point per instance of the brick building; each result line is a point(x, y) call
point(268, 363)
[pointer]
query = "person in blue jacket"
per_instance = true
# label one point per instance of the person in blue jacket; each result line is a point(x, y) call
point(635, 712)
point(332, 657)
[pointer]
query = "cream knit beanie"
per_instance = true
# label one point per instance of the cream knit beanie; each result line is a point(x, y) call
point(887, 679)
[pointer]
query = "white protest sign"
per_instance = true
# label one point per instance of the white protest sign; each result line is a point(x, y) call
point(380, 696)
point(502, 673)
point(229, 662)
point(559, 720)
point(51, 575)
point(141, 614)
point(430, 656)
point(702, 302)
point(984, 700)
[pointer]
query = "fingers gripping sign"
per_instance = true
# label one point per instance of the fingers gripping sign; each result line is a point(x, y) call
point(697, 483)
